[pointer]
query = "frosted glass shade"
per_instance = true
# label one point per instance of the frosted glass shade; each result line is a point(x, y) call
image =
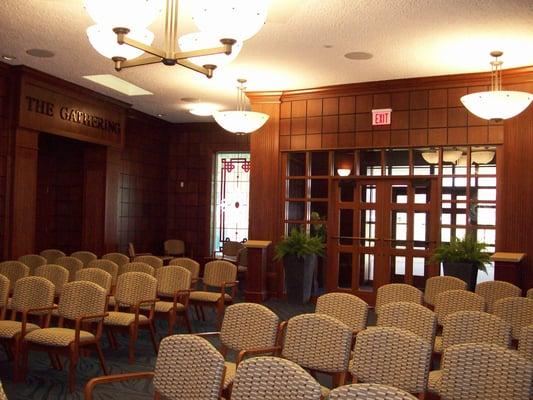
point(240, 122)
point(482, 157)
point(431, 157)
point(451, 155)
point(203, 109)
point(132, 14)
point(498, 104)
point(201, 40)
point(104, 41)
point(230, 19)
point(344, 171)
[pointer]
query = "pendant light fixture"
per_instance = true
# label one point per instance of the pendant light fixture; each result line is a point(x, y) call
point(497, 104)
point(240, 121)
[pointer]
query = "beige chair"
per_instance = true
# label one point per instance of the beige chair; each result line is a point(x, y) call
point(33, 261)
point(475, 371)
point(369, 391)
point(391, 356)
point(246, 327)
point(133, 254)
point(2, 393)
point(220, 275)
point(84, 256)
point(518, 311)
point(273, 378)
point(492, 291)
point(529, 294)
point(174, 247)
point(409, 316)
point(108, 266)
point(134, 290)
point(55, 274)
point(187, 368)
point(137, 267)
point(345, 307)
point(229, 251)
point(82, 304)
point(153, 261)
point(451, 301)
point(31, 294)
point(72, 264)
point(52, 255)
point(438, 284)
point(242, 261)
point(4, 295)
point(394, 292)
point(95, 275)
point(190, 264)
point(173, 288)
point(118, 258)
point(525, 342)
point(13, 270)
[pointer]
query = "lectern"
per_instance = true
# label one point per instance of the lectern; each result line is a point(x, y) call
point(507, 267)
point(256, 286)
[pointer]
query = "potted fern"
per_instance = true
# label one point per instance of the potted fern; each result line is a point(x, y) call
point(462, 258)
point(299, 253)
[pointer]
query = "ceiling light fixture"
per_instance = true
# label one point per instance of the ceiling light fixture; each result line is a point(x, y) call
point(240, 121)
point(497, 104)
point(8, 57)
point(431, 157)
point(203, 109)
point(228, 21)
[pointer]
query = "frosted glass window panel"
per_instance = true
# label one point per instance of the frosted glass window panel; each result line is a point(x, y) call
point(398, 264)
point(485, 214)
point(488, 276)
point(446, 196)
point(447, 182)
point(419, 266)
point(483, 182)
point(399, 194)
point(422, 194)
point(368, 193)
point(370, 163)
point(420, 232)
point(368, 227)
point(489, 169)
point(486, 194)
point(460, 219)
point(366, 272)
point(445, 235)
point(487, 236)
point(446, 219)
point(460, 205)
point(460, 233)
point(459, 182)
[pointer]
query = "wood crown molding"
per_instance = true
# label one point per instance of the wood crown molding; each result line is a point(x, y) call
point(264, 97)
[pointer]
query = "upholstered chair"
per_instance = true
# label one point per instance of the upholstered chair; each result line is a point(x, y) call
point(369, 391)
point(393, 292)
point(52, 255)
point(56, 274)
point(72, 264)
point(518, 311)
point(493, 291)
point(118, 258)
point(95, 275)
point(13, 270)
point(4, 295)
point(84, 256)
point(153, 261)
point(451, 301)
point(190, 264)
point(438, 284)
point(137, 267)
point(108, 266)
point(174, 247)
point(33, 261)
point(345, 307)
point(525, 342)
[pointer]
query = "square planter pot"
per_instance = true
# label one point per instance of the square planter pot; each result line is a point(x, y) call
point(299, 277)
point(464, 271)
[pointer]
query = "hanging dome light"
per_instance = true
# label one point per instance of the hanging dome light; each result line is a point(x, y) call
point(497, 104)
point(482, 157)
point(232, 19)
point(451, 155)
point(131, 14)
point(104, 41)
point(431, 157)
point(240, 121)
point(202, 40)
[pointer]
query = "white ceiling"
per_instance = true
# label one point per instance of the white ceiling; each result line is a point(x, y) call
point(408, 38)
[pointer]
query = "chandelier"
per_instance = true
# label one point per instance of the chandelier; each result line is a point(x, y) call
point(121, 32)
point(240, 121)
point(496, 104)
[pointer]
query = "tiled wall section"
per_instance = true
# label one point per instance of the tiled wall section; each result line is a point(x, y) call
point(419, 118)
point(4, 132)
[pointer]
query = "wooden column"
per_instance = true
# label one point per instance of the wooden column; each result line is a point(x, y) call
point(256, 275)
point(112, 202)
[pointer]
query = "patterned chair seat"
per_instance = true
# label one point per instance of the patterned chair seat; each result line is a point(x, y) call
point(325, 391)
point(8, 329)
point(122, 318)
point(211, 297)
point(435, 381)
point(164, 306)
point(438, 345)
point(56, 336)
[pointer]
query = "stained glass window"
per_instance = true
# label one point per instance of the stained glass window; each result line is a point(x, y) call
point(231, 182)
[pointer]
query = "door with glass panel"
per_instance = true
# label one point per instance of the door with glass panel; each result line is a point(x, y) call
point(383, 232)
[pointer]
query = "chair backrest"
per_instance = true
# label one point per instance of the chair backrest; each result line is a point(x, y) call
point(174, 247)
point(84, 256)
point(188, 367)
point(451, 301)
point(318, 342)
point(52, 255)
point(231, 249)
point(273, 378)
point(153, 261)
point(242, 257)
point(518, 311)
point(369, 391)
point(525, 342)
point(345, 307)
point(4, 294)
point(131, 250)
point(171, 279)
point(95, 275)
point(493, 291)
point(81, 298)
point(217, 272)
point(118, 258)
point(410, 316)
point(32, 292)
point(134, 287)
point(13, 270)
point(33, 261)
point(484, 371)
point(439, 284)
point(529, 294)
point(187, 263)
point(391, 356)
point(248, 326)
point(72, 264)
point(56, 274)
point(394, 292)
point(475, 327)
point(108, 266)
point(136, 267)
point(2, 394)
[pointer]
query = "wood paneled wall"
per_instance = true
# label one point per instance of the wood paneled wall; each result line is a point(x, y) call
point(4, 146)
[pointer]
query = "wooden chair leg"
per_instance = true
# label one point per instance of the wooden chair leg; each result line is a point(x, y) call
point(100, 357)
point(72, 369)
point(111, 339)
point(131, 346)
point(171, 320)
point(152, 336)
point(187, 321)
point(203, 313)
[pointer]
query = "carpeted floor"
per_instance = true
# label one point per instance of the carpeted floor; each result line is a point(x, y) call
point(45, 383)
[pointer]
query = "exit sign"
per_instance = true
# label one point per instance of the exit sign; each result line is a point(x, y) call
point(381, 116)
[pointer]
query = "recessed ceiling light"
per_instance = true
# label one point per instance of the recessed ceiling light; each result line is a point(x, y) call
point(8, 57)
point(358, 55)
point(203, 109)
point(160, 115)
point(120, 85)
point(328, 46)
point(190, 99)
point(41, 53)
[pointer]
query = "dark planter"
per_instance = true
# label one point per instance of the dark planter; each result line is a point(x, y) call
point(464, 271)
point(299, 277)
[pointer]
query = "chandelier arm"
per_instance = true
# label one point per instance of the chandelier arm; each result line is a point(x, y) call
point(141, 46)
point(180, 55)
point(136, 62)
point(187, 64)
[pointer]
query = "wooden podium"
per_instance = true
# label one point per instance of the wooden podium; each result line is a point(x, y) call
point(256, 282)
point(507, 267)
